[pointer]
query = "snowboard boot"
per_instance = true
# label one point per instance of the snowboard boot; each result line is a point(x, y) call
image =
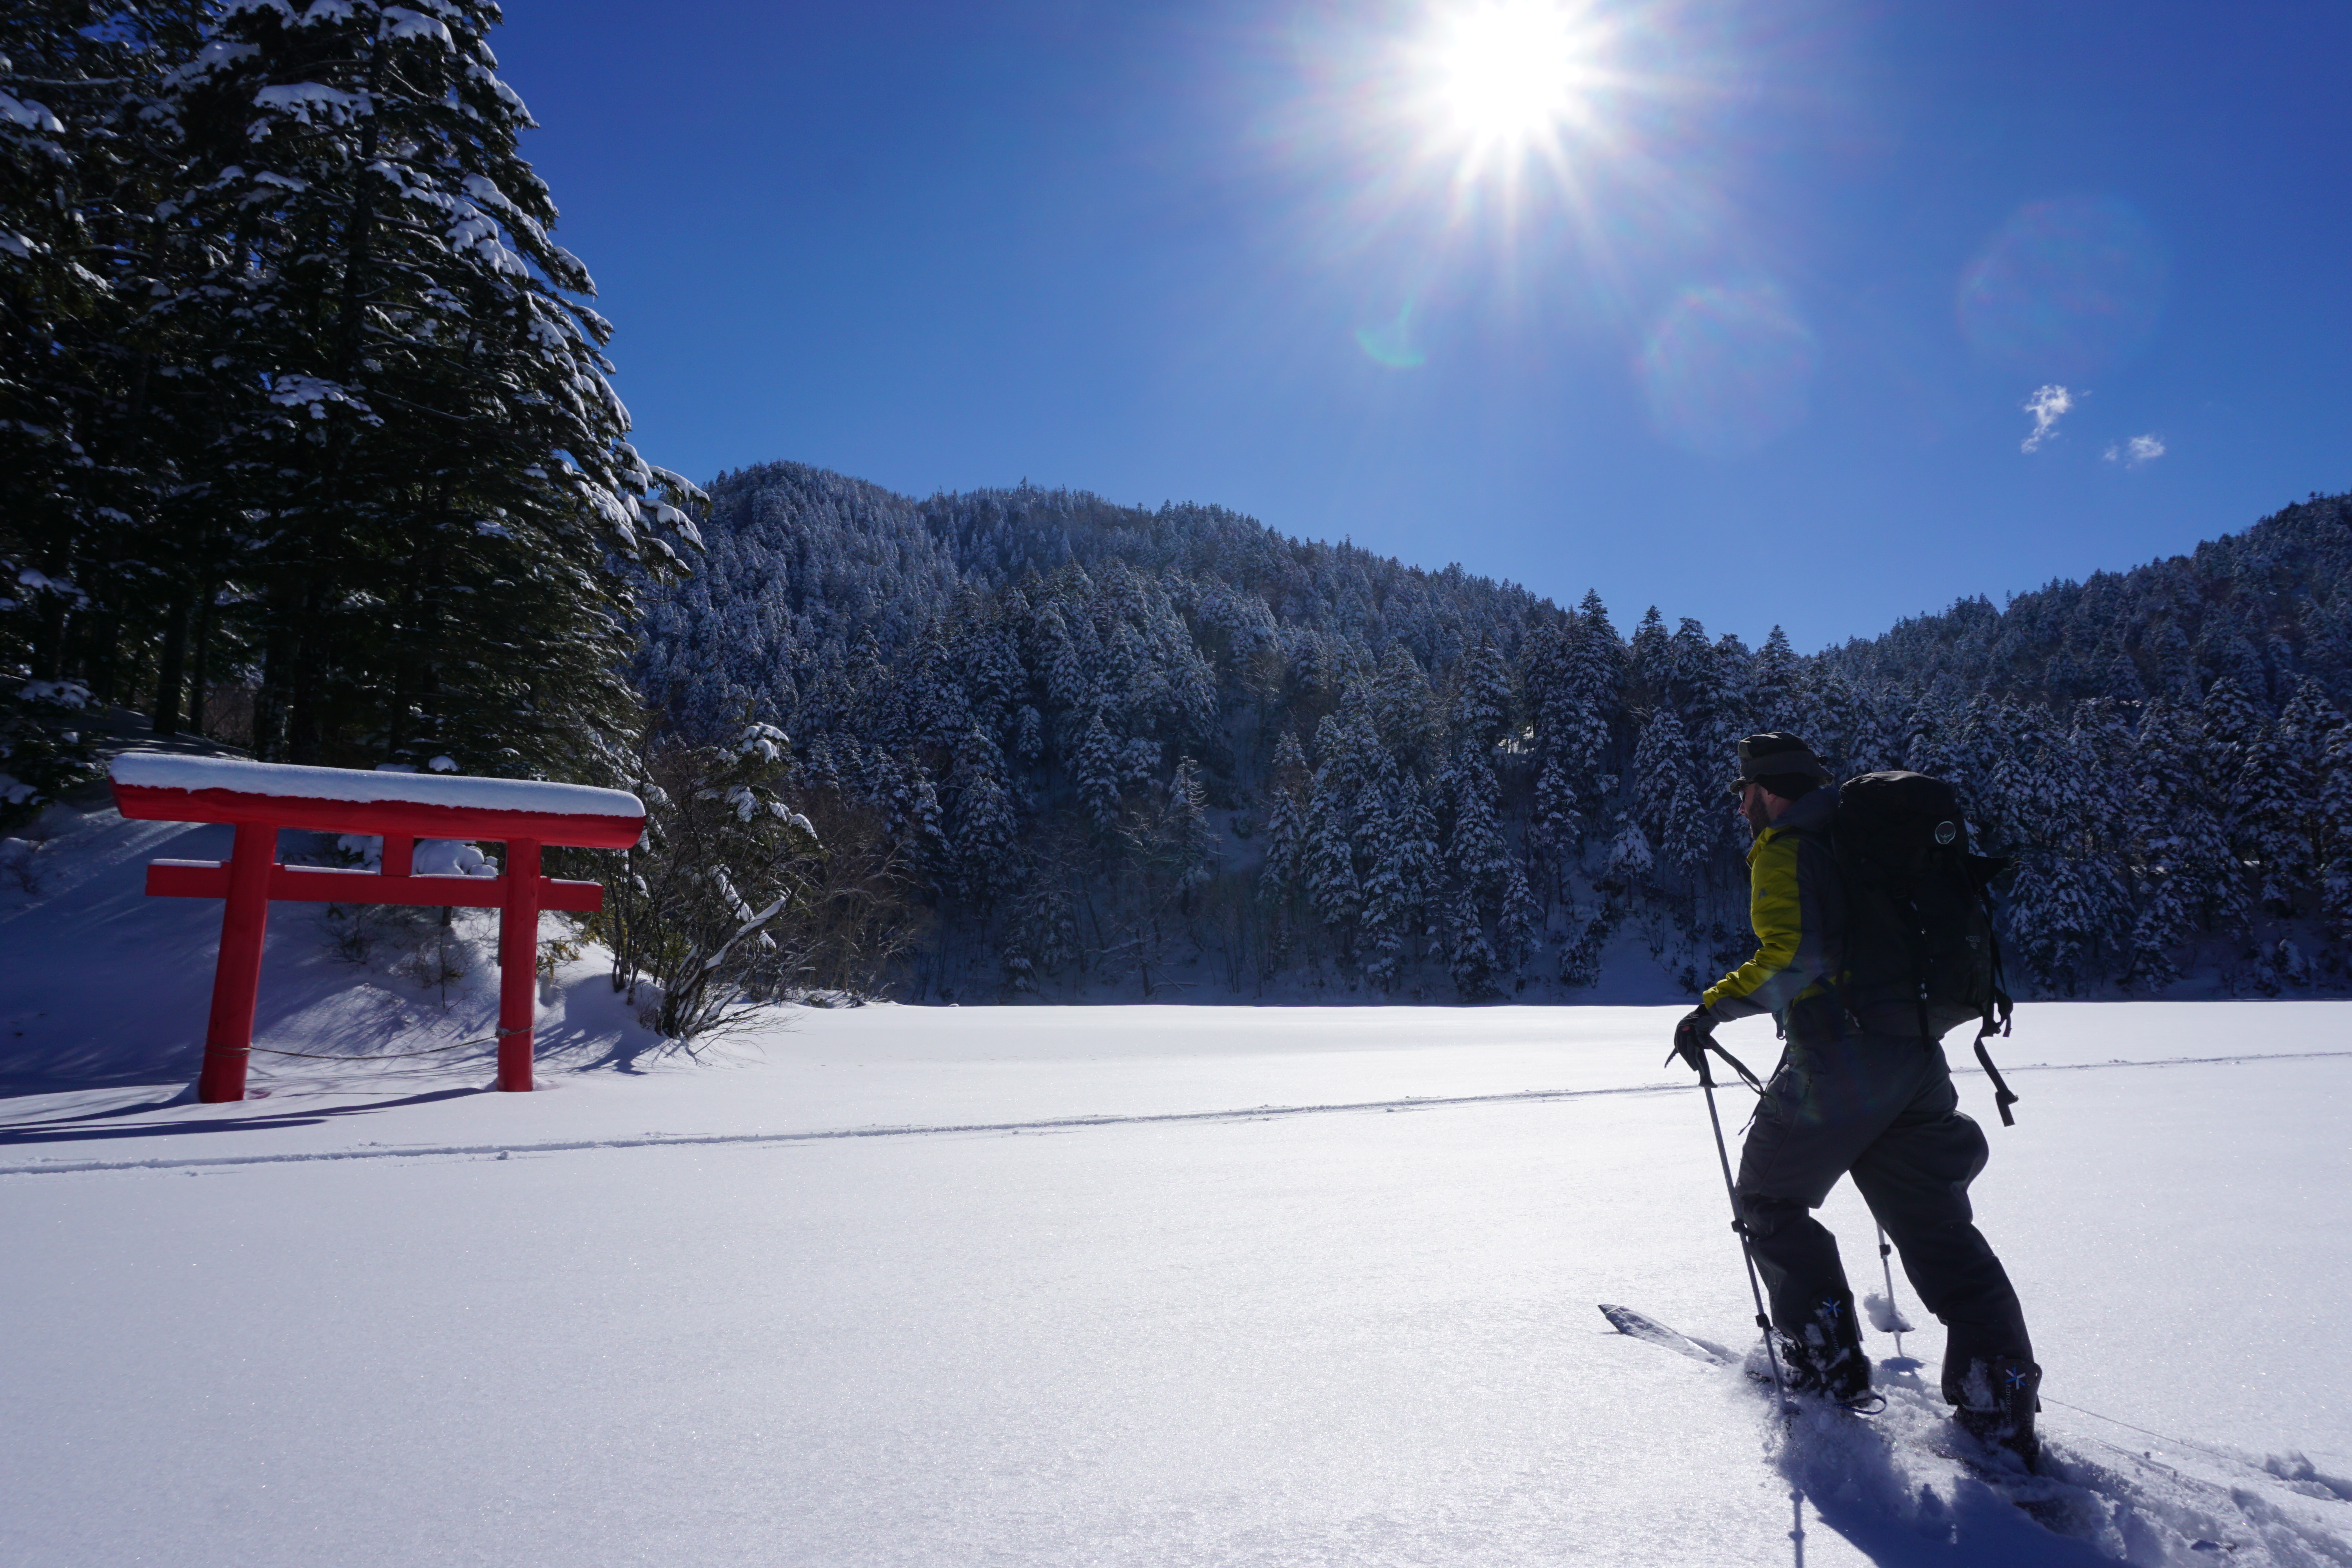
point(1828, 1358)
point(1998, 1396)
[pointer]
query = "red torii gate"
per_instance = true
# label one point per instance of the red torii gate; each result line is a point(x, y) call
point(259, 798)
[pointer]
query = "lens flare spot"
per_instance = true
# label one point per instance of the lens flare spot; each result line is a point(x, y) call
point(1729, 369)
point(2065, 289)
point(1391, 344)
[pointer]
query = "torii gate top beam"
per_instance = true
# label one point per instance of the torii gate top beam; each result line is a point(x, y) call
point(161, 787)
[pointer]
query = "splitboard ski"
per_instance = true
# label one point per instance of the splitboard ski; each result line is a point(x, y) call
point(1626, 1321)
point(1912, 1465)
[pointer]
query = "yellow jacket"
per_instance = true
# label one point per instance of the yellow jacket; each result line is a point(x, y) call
point(1796, 901)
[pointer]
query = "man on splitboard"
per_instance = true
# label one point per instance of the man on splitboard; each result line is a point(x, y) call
point(1862, 1088)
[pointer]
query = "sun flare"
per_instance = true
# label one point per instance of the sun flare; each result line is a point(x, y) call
point(1509, 75)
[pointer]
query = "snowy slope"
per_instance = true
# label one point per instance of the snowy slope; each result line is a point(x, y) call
point(1119, 1284)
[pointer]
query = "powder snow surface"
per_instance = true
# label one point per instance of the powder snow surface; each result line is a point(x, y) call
point(1111, 1285)
point(160, 770)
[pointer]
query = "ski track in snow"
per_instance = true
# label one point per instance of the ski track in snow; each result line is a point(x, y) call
point(1067, 1123)
point(1056, 1124)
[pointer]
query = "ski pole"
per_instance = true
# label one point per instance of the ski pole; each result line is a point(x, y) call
point(1740, 1224)
point(1893, 1314)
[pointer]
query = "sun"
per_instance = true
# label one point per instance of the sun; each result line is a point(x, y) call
point(1506, 77)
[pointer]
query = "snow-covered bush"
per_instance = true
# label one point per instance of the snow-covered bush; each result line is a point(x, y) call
point(44, 753)
point(734, 898)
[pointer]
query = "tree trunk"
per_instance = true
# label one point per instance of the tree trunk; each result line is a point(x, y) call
point(281, 652)
point(306, 721)
point(50, 638)
point(170, 673)
point(200, 675)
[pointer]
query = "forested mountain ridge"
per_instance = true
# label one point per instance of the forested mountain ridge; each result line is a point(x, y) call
point(827, 560)
point(2266, 607)
point(1118, 747)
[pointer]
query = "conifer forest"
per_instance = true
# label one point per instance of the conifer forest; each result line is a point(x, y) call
point(309, 448)
point(1131, 750)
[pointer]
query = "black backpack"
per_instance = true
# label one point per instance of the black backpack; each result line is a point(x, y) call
point(1921, 956)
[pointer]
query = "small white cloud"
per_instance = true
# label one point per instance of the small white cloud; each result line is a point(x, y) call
point(2140, 449)
point(2047, 405)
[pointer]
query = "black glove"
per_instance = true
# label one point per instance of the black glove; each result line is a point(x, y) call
point(1692, 1035)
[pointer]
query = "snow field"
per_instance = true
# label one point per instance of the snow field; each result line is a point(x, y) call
point(1343, 1339)
point(1190, 1285)
point(1353, 1336)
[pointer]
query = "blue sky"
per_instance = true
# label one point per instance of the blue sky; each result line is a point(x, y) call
point(1748, 326)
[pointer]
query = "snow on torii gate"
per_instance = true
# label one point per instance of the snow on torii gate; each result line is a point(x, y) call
point(259, 798)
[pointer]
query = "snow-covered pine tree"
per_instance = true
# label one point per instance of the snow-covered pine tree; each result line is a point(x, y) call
point(1469, 956)
point(452, 522)
point(1413, 844)
point(1555, 831)
point(2175, 663)
point(2066, 906)
point(104, 537)
point(1648, 661)
point(1185, 847)
point(1476, 859)
point(1518, 922)
point(934, 708)
point(988, 658)
point(1631, 868)
point(1059, 658)
point(984, 826)
point(50, 109)
point(1333, 889)
point(2229, 726)
point(1666, 796)
point(2277, 802)
point(1287, 785)
point(1482, 703)
point(1596, 682)
point(932, 852)
point(1385, 928)
point(2336, 820)
point(1836, 719)
point(1582, 947)
point(2179, 855)
point(2226, 653)
point(1404, 709)
point(1397, 840)
point(1772, 683)
point(1170, 857)
point(1096, 774)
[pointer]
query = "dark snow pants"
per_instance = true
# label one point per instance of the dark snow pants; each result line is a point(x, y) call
point(1882, 1109)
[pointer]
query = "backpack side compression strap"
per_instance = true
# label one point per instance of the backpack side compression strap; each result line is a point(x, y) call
point(1997, 1001)
point(2002, 1097)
